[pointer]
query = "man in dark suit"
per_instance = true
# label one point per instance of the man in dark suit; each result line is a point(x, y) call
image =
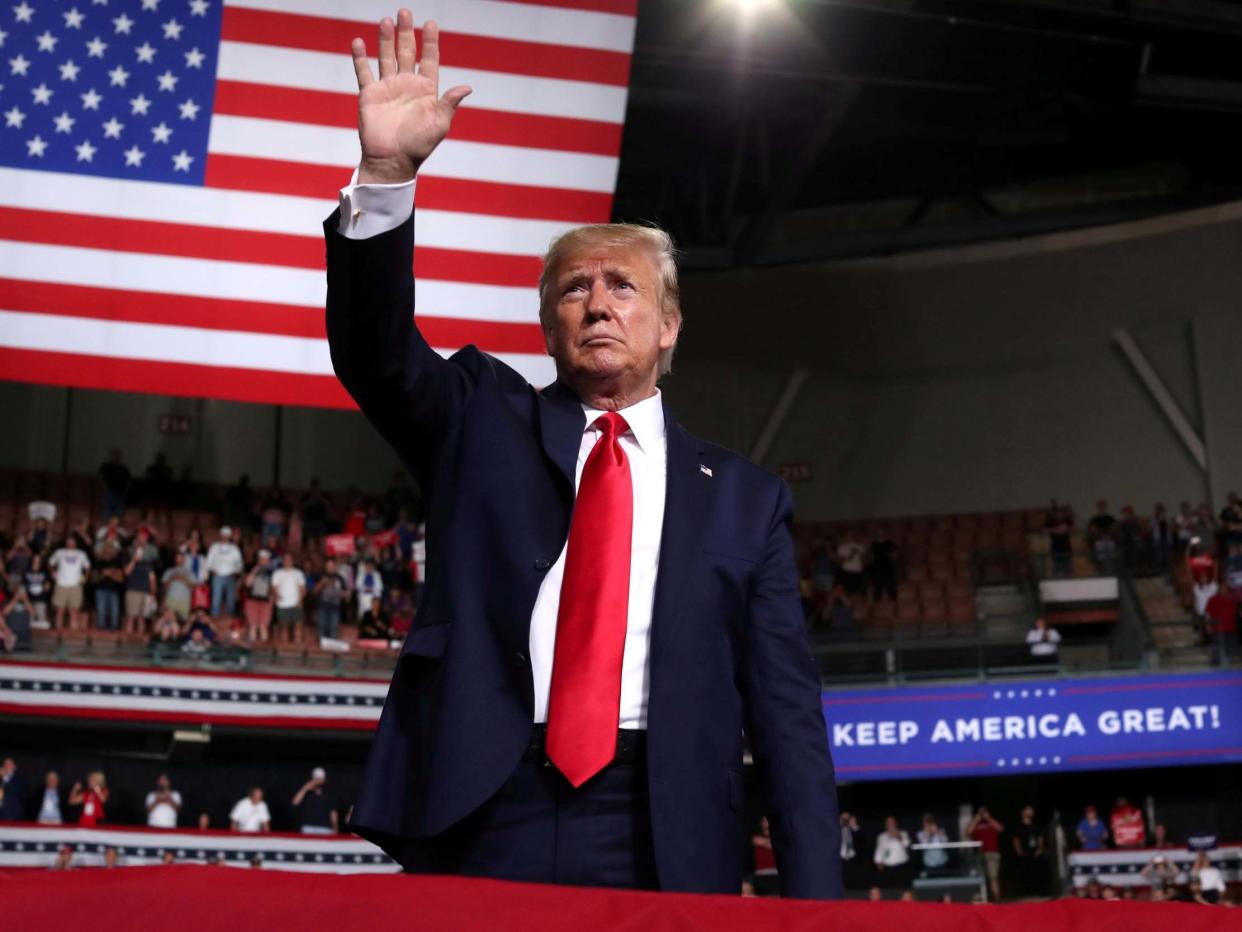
point(611, 606)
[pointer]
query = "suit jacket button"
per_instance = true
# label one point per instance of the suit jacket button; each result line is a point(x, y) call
point(542, 563)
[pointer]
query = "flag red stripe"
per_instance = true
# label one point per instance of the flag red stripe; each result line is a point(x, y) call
point(197, 242)
point(166, 378)
point(486, 53)
point(619, 7)
point(248, 316)
point(270, 176)
point(471, 124)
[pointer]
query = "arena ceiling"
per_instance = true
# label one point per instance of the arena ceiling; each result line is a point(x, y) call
point(813, 129)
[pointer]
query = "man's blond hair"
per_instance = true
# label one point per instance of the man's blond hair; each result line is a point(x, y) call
point(652, 240)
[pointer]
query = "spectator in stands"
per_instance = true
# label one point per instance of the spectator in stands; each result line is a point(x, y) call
point(1059, 526)
point(849, 848)
point(369, 587)
point(892, 850)
point(38, 587)
point(1030, 868)
point(17, 562)
point(850, 557)
point(1092, 832)
point(178, 583)
point(15, 621)
point(317, 814)
point(314, 508)
point(12, 792)
point(224, 563)
point(163, 803)
point(274, 515)
point(1130, 538)
point(167, 628)
point(92, 798)
point(374, 626)
point(258, 606)
point(115, 478)
point(64, 859)
point(1160, 837)
point(329, 594)
point(1102, 536)
point(1162, 535)
point(204, 821)
point(200, 636)
point(987, 831)
point(1201, 565)
point(1126, 825)
point(1231, 521)
point(109, 576)
point(289, 587)
point(52, 801)
point(1159, 872)
point(70, 564)
point(1221, 623)
point(1211, 880)
point(763, 856)
point(1183, 523)
point(140, 585)
point(250, 813)
point(931, 834)
point(884, 569)
point(111, 857)
point(1044, 641)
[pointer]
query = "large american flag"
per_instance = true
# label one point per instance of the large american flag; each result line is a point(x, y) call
point(165, 166)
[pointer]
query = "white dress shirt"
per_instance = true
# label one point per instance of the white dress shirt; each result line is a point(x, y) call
point(646, 447)
point(371, 209)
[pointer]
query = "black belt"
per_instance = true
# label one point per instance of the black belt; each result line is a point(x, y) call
point(631, 746)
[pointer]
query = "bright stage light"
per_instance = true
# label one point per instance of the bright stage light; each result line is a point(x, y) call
point(753, 6)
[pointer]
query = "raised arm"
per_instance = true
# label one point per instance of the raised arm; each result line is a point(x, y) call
point(402, 385)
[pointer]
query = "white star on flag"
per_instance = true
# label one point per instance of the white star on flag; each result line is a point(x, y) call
point(139, 105)
point(118, 76)
point(47, 41)
point(161, 133)
point(112, 128)
point(150, 5)
point(69, 70)
point(91, 99)
point(96, 47)
point(145, 53)
point(172, 29)
point(86, 152)
point(189, 109)
point(42, 93)
point(19, 64)
point(194, 58)
point(168, 81)
point(182, 161)
point(14, 117)
point(24, 11)
point(64, 122)
point(36, 146)
point(198, 7)
point(134, 156)
point(123, 24)
point(3, 35)
point(73, 20)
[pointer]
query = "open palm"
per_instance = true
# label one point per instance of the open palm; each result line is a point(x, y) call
point(401, 117)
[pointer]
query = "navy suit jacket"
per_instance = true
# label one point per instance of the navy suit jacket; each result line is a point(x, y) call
point(495, 459)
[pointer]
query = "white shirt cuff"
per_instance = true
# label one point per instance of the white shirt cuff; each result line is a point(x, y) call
point(371, 209)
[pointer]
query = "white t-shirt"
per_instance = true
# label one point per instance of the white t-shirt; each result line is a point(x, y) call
point(288, 583)
point(224, 559)
point(890, 851)
point(370, 588)
point(1043, 644)
point(164, 815)
point(250, 816)
point(70, 566)
point(1210, 878)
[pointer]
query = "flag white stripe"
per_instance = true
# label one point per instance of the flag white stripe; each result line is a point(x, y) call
point(493, 90)
point(127, 677)
point(475, 161)
point(259, 708)
point(263, 213)
point(241, 281)
point(581, 28)
point(199, 346)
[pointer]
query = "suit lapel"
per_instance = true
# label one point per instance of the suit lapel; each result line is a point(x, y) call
point(687, 505)
point(561, 423)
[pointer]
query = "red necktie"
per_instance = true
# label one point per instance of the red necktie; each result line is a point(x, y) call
point(585, 697)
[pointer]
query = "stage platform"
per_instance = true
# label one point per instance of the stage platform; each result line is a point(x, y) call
point(208, 899)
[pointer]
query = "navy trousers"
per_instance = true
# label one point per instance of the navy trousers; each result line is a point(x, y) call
point(539, 829)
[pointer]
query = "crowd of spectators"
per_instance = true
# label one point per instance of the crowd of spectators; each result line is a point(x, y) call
point(86, 802)
point(271, 573)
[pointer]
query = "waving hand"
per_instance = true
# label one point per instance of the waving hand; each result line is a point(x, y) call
point(401, 117)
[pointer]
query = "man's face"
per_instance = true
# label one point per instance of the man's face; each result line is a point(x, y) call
point(163, 783)
point(605, 320)
point(256, 796)
point(8, 766)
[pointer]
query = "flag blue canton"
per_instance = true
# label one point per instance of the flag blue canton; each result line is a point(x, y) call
point(114, 88)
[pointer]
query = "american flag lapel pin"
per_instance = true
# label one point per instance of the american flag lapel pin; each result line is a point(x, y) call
point(705, 470)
